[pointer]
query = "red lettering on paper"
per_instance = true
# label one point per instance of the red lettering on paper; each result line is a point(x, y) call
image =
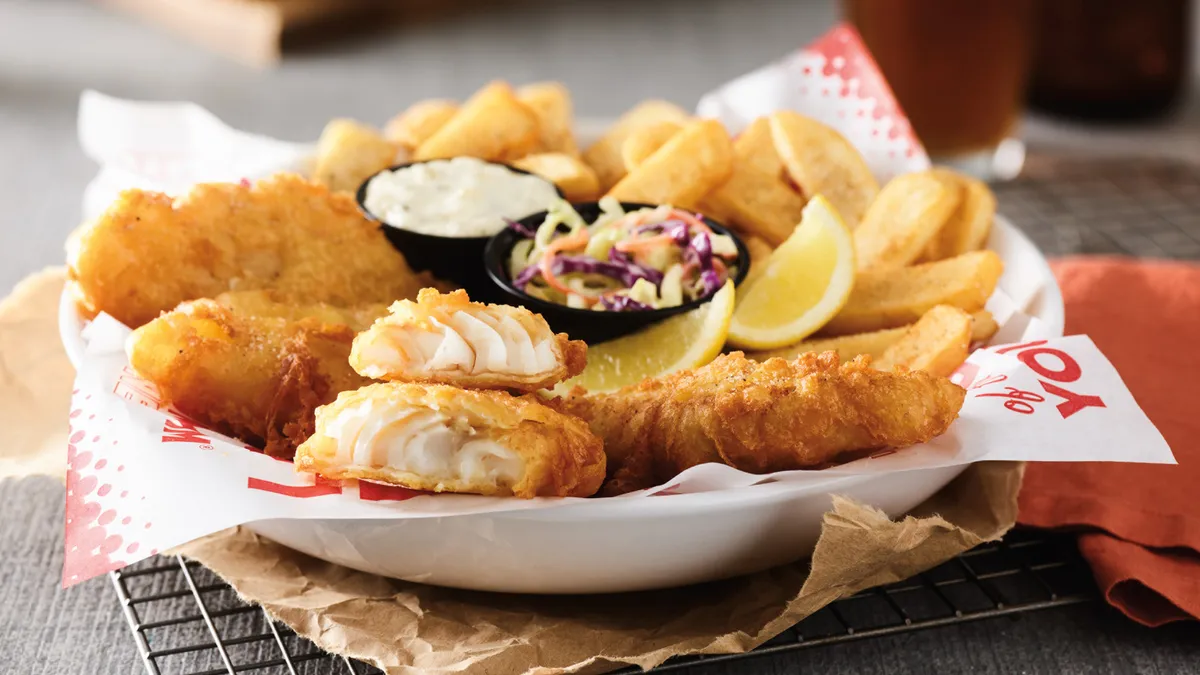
point(321, 488)
point(1018, 400)
point(131, 387)
point(965, 376)
point(182, 431)
point(1072, 402)
point(1070, 368)
point(378, 492)
point(1023, 345)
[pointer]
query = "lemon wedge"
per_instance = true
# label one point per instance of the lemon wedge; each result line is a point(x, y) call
point(685, 341)
point(804, 283)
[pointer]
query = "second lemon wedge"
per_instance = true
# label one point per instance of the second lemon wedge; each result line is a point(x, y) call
point(686, 341)
point(804, 283)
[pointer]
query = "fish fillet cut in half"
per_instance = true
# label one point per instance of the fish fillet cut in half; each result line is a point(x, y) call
point(445, 439)
point(447, 339)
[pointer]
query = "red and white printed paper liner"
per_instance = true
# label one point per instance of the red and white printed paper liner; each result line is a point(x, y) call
point(833, 80)
point(143, 479)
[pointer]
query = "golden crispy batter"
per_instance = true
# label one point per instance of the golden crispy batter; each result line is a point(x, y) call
point(447, 339)
point(148, 252)
point(761, 417)
point(268, 304)
point(445, 439)
point(256, 377)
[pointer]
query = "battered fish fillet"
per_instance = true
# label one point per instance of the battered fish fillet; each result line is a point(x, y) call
point(258, 377)
point(761, 417)
point(445, 439)
point(447, 339)
point(268, 304)
point(149, 252)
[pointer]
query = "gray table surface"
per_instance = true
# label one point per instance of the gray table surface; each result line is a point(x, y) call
point(611, 54)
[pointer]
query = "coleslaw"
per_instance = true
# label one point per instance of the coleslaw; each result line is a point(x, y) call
point(651, 258)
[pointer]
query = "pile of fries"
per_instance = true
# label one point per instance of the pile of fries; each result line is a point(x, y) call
point(922, 274)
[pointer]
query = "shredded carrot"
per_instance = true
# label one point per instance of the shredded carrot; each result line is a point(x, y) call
point(628, 220)
point(719, 265)
point(644, 244)
point(691, 220)
point(580, 238)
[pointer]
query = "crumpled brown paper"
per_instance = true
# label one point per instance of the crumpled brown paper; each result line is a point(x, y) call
point(35, 378)
point(409, 628)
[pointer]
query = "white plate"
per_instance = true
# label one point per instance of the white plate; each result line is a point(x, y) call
point(604, 546)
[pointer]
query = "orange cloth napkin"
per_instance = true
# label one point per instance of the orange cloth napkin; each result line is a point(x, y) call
point(1143, 521)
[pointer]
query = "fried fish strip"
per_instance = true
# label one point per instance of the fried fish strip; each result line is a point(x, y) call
point(445, 439)
point(761, 417)
point(448, 339)
point(148, 252)
point(256, 377)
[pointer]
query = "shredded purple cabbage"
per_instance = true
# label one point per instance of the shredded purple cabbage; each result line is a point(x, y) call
point(699, 252)
point(709, 283)
point(623, 271)
point(679, 231)
point(521, 228)
point(526, 276)
point(623, 303)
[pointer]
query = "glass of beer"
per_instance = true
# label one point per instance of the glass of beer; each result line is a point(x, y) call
point(958, 69)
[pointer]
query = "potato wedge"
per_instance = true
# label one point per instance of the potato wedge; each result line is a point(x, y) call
point(755, 146)
point(756, 202)
point(348, 153)
point(576, 180)
point(492, 125)
point(873, 344)
point(646, 140)
point(420, 121)
point(890, 298)
point(821, 161)
point(983, 326)
point(968, 227)
point(937, 343)
point(683, 170)
point(551, 102)
point(906, 216)
point(604, 156)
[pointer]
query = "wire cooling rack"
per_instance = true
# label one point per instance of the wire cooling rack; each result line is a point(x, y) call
point(185, 620)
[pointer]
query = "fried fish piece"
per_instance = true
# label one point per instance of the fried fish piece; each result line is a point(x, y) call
point(761, 417)
point(447, 339)
point(267, 304)
point(446, 439)
point(148, 252)
point(258, 377)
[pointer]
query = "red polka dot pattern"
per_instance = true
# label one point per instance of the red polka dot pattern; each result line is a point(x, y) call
point(98, 526)
point(836, 81)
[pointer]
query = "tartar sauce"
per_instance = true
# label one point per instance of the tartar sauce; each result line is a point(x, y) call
point(460, 197)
